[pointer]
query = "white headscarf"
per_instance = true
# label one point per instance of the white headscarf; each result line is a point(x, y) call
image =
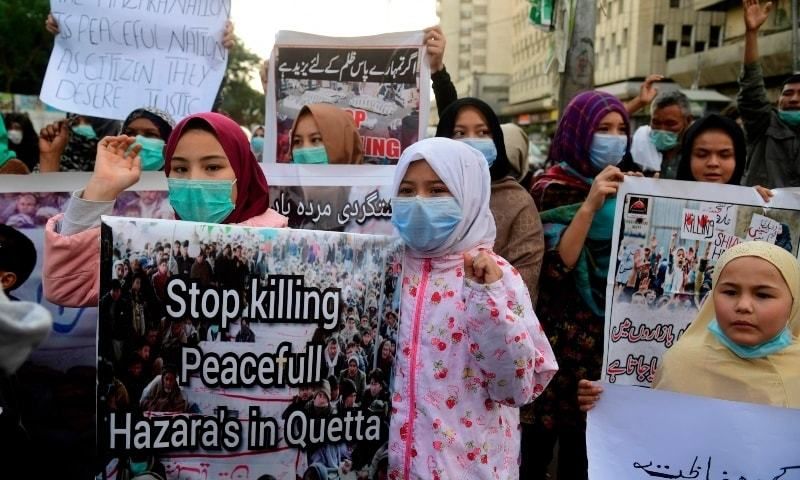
point(465, 172)
point(23, 326)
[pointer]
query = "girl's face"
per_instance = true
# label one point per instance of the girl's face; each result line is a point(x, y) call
point(306, 133)
point(421, 180)
point(713, 157)
point(470, 123)
point(752, 301)
point(612, 124)
point(143, 127)
point(199, 156)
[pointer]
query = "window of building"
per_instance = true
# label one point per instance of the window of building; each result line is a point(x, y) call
point(715, 36)
point(686, 35)
point(617, 55)
point(620, 6)
point(625, 37)
point(672, 49)
point(699, 46)
point(479, 9)
point(658, 34)
point(674, 3)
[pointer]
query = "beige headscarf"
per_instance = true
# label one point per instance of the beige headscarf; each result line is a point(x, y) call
point(338, 130)
point(699, 364)
point(516, 141)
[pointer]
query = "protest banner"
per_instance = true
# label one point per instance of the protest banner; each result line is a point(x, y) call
point(668, 236)
point(229, 354)
point(112, 57)
point(636, 433)
point(381, 80)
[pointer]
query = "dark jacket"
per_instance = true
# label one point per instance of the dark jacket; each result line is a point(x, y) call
point(773, 150)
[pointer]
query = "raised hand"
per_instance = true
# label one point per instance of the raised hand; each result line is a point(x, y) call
point(435, 43)
point(116, 167)
point(648, 91)
point(51, 25)
point(755, 14)
point(482, 268)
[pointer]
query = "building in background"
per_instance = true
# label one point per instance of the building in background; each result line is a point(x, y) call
point(633, 39)
point(478, 53)
point(717, 66)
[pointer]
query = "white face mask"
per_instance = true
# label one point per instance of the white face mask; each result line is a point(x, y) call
point(15, 136)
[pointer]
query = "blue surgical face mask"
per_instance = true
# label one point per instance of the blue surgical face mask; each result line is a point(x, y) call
point(152, 153)
point(310, 155)
point(206, 201)
point(484, 145)
point(607, 150)
point(425, 223)
point(85, 130)
point(775, 345)
point(257, 144)
point(663, 140)
point(138, 468)
point(790, 117)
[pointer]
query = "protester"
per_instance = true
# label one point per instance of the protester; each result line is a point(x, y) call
point(164, 394)
point(576, 200)
point(519, 230)
point(656, 148)
point(212, 177)
point(325, 134)
point(22, 138)
point(8, 158)
point(772, 134)
point(743, 344)
point(151, 127)
point(71, 145)
point(517, 142)
point(455, 291)
point(714, 151)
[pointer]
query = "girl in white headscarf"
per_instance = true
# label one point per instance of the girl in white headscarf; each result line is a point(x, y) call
point(470, 348)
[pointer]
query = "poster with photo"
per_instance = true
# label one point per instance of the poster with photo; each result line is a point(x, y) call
point(668, 236)
point(381, 80)
point(253, 351)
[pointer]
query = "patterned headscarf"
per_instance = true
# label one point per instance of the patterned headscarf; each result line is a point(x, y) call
point(251, 184)
point(161, 119)
point(569, 152)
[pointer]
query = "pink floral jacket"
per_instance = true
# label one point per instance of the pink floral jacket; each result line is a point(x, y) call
point(71, 276)
point(469, 354)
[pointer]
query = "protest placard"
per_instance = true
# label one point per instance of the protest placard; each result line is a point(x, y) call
point(635, 433)
point(668, 236)
point(112, 57)
point(381, 80)
point(232, 363)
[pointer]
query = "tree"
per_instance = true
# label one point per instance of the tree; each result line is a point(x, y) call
point(26, 45)
point(239, 100)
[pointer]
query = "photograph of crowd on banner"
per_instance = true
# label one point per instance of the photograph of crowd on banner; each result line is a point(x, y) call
point(269, 338)
point(663, 268)
point(378, 86)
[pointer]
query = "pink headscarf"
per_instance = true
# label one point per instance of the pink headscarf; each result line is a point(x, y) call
point(251, 184)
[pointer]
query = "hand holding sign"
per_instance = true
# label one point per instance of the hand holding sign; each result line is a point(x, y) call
point(482, 268)
point(117, 167)
point(52, 141)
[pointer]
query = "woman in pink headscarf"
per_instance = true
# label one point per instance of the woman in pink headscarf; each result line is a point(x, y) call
point(212, 175)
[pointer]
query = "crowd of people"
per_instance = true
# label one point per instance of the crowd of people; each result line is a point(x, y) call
point(495, 316)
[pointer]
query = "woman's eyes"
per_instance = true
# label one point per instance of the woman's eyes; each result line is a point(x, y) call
point(440, 190)
point(179, 169)
point(406, 191)
point(458, 134)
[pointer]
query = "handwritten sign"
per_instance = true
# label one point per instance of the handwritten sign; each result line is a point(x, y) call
point(697, 225)
point(689, 437)
point(113, 57)
point(723, 214)
point(376, 79)
point(763, 228)
point(671, 239)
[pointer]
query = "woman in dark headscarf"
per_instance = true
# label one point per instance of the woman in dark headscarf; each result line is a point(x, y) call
point(714, 150)
point(212, 176)
point(576, 201)
point(22, 138)
point(71, 145)
point(519, 229)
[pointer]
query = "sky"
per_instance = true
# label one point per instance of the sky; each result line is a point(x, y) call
point(257, 21)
